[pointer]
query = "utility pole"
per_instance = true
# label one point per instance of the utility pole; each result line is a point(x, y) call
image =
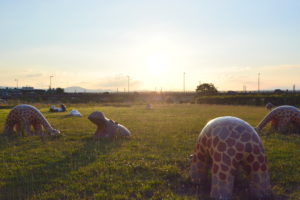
point(244, 88)
point(128, 83)
point(51, 76)
point(17, 81)
point(184, 82)
point(294, 88)
point(258, 82)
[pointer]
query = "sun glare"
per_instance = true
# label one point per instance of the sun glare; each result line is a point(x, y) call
point(157, 63)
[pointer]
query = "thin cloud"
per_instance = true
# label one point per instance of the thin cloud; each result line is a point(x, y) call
point(117, 82)
point(33, 75)
point(281, 67)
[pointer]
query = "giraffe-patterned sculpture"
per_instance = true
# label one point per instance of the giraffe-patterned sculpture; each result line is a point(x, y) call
point(227, 145)
point(269, 106)
point(149, 106)
point(23, 117)
point(107, 128)
point(282, 118)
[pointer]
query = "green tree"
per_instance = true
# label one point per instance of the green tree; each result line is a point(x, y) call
point(206, 89)
point(59, 90)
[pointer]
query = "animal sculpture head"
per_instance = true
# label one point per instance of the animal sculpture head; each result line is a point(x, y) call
point(99, 119)
point(269, 106)
point(54, 132)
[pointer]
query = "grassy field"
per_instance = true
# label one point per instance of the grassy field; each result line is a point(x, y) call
point(153, 164)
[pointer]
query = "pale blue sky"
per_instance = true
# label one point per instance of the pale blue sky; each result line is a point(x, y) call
point(96, 44)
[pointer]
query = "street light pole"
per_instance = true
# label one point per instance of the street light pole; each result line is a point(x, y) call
point(184, 82)
point(51, 81)
point(128, 82)
point(258, 82)
point(17, 81)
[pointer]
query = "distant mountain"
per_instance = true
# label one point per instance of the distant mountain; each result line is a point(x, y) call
point(78, 89)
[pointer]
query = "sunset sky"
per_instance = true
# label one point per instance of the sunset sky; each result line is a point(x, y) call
point(97, 44)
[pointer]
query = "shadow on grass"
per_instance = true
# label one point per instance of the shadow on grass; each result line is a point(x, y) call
point(25, 184)
point(184, 187)
point(14, 139)
point(6, 107)
point(6, 141)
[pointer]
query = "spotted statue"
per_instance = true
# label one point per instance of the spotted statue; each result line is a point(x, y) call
point(107, 128)
point(269, 106)
point(23, 117)
point(284, 119)
point(227, 146)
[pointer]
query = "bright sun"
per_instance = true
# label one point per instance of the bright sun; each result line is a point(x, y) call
point(157, 63)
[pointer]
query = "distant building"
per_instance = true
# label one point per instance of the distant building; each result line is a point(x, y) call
point(27, 88)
